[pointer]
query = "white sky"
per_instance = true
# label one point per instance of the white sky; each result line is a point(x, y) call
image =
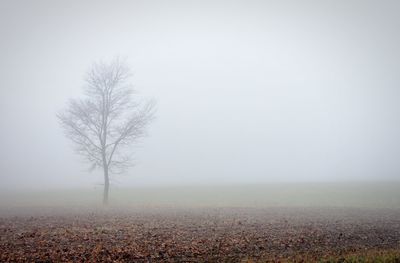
point(247, 91)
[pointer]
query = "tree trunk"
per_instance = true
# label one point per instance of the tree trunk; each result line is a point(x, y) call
point(106, 185)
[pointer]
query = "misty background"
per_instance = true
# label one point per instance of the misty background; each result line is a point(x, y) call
point(247, 91)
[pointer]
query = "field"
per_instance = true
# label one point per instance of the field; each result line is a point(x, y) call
point(303, 224)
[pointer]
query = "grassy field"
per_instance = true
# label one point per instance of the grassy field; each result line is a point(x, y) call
point(372, 256)
point(367, 195)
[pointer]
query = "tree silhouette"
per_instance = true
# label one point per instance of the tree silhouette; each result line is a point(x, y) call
point(108, 120)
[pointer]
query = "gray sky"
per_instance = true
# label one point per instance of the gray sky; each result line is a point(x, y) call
point(247, 91)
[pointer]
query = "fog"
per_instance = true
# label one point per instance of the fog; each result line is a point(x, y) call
point(247, 91)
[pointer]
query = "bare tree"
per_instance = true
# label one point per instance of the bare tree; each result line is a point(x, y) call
point(108, 120)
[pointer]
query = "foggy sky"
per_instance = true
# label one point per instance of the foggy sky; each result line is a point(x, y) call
point(247, 91)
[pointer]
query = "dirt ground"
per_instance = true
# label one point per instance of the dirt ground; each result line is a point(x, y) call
point(194, 235)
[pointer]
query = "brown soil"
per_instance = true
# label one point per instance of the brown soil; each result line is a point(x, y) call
point(195, 235)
